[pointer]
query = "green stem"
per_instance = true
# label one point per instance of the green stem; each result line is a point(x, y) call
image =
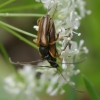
point(20, 37)
point(17, 29)
point(20, 15)
point(19, 8)
point(6, 3)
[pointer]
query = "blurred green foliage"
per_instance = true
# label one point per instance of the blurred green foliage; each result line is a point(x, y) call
point(93, 94)
point(90, 29)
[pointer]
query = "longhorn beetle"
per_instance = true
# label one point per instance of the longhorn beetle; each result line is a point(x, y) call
point(46, 36)
point(46, 41)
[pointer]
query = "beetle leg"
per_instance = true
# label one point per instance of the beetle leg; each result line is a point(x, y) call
point(40, 54)
point(60, 58)
point(58, 55)
point(62, 37)
point(66, 46)
point(36, 42)
point(52, 54)
point(57, 39)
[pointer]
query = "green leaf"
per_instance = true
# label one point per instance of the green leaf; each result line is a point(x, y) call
point(6, 3)
point(19, 36)
point(20, 15)
point(17, 29)
point(25, 7)
point(93, 94)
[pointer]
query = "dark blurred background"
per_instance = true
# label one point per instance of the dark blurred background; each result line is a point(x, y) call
point(20, 51)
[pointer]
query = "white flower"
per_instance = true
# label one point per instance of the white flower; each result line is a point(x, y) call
point(24, 83)
point(36, 27)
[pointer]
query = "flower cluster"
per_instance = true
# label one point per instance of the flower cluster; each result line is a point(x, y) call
point(67, 20)
point(26, 85)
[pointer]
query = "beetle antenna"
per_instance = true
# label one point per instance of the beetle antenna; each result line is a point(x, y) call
point(54, 11)
point(50, 9)
point(24, 63)
point(70, 62)
point(68, 82)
